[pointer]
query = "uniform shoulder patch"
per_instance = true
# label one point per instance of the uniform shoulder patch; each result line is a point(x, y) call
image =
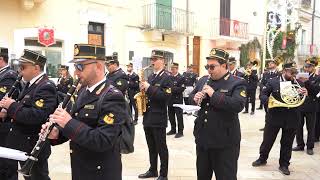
point(39, 103)
point(119, 83)
point(109, 118)
point(3, 89)
point(168, 90)
point(243, 93)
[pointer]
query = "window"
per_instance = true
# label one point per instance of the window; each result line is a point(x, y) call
point(53, 54)
point(225, 17)
point(96, 33)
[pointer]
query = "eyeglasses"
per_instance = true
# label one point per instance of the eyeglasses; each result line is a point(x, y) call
point(80, 67)
point(210, 66)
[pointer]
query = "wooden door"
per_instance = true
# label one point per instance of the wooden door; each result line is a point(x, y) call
point(196, 54)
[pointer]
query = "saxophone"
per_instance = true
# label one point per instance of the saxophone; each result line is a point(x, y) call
point(141, 98)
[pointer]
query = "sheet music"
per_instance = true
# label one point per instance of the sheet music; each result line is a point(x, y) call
point(13, 154)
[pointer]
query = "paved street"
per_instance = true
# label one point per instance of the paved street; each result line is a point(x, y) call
point(183, 156)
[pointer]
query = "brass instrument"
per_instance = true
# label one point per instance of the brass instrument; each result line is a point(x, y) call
point(290, 96)
point(141, 98)
point(248, 71)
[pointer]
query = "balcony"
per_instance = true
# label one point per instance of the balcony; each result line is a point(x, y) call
point(309, 50)
point(167, 19)
point(227, 28)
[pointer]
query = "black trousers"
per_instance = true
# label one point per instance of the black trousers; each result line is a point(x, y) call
point(251, 98)
point(157, 145)
point(222, 161)
point(269, 136)
point(186, 100)
point(310, 119)
point(173, 112)
point(132, 104)
point(39, 171)
point(317, 127)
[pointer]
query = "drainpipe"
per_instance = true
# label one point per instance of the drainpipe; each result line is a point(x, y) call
point(187, 30)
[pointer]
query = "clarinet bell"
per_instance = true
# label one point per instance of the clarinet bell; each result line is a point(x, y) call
point(26, 168)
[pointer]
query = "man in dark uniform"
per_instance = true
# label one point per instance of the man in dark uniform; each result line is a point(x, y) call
point(252, 82)
point(33, 106)
point(266, 76)
point(116, 75)
point(191, 79)
point(233, 68)
point(7, 78)
point(176, 98)
point(271, 73)
point(94, 124)
point(309, 108)
point(155, 119)
point(217, 128)
point(284, 118)
point(133, 90)
point(65, 80)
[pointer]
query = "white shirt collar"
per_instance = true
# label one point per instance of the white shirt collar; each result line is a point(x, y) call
point(157, 72)
point(96, 85)
point(234, 70)
point(35, 78)
point(4, 68)
point(130, 73)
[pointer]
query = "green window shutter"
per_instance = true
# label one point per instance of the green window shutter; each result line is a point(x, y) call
point(164, 14)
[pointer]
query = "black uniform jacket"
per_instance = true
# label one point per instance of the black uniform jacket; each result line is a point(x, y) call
point(32, 109)
point(313, 86)
point(279, 116)
point(177, 89)
point(64, 84)
point(268, 76)
point(217, 124)
point(7, 78)
point(252, 80)
point(119, 79)
point(158, 95)
point(94, 134)
point(133, 84)
point(191, 78)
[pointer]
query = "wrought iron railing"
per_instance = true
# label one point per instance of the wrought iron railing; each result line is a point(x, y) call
point(158, 16)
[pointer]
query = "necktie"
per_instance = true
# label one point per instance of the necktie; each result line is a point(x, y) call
point(25, 87)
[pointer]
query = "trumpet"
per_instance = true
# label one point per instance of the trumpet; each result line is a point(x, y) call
point(33, 157)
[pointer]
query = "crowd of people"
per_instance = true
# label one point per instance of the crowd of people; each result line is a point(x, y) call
point(93, 121)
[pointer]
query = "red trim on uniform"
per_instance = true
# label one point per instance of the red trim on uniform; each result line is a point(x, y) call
point(14, 115)
point(221, 97)
point(76, 131)
point(53, 141)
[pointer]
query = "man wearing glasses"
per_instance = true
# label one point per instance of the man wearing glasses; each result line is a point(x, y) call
point(155, 119)
point(217, 129)
point(35, 103)
point(93, 129)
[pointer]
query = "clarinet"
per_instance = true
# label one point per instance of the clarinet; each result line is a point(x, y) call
point(33, 157)
point(14, 87)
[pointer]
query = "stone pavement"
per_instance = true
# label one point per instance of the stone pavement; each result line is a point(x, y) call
point(182, 156)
